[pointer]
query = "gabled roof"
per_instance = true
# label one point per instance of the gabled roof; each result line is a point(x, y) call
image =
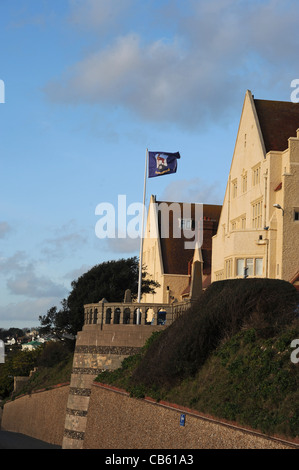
point(175, 256)
point(278, 121)
point(295, 281)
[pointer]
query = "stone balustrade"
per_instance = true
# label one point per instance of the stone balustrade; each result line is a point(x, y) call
point(106, 313)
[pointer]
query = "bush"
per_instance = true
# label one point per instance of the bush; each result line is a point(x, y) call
point(264, 305)
point(53, 353)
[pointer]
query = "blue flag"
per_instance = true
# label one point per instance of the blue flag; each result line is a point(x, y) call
point(162, 163)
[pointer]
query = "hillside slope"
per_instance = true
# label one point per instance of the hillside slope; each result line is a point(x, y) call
point(229, 356)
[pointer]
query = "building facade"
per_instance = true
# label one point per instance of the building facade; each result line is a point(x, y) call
point(168, 247)
point(258, 232)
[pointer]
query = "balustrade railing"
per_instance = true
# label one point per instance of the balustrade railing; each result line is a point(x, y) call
point(105, 313)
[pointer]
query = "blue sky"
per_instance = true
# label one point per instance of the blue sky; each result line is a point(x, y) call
point(89, 85)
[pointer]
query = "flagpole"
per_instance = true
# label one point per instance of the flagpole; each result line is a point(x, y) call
point(141, 240)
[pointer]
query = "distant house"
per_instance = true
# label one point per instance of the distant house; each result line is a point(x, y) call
point(258, 232)
point(10, 341)
point(31, 345)
point(167, 258)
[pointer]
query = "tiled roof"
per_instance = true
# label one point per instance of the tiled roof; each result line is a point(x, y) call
point(278, 120)
point(174, 254)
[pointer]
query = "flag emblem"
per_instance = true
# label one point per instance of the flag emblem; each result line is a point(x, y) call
point(162, 163)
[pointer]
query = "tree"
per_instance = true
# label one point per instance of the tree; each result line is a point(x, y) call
point(14, 332)
point(107, 280)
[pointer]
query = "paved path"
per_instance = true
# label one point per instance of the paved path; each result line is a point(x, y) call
point(14, 440)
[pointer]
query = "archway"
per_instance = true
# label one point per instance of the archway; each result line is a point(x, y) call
point(161, 316)
point(127, 315)
point(108, 316)
point(116, 318)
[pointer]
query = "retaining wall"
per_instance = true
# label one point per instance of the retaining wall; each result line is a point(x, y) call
point(98, 348)
point(117, 421)
point(40, 415)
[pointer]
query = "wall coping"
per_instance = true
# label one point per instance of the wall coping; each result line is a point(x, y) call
point(46, 389)
point(189, 411)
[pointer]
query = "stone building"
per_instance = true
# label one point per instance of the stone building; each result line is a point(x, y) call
point(258, 232)
point(169, 249)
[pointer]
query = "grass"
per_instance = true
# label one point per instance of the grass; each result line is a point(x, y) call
point(47, 377)
point(250, 381)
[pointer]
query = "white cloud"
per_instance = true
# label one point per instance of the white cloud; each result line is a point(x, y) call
point(29, 284)
point(22, 279)
point(15, 263)
point(191, 71)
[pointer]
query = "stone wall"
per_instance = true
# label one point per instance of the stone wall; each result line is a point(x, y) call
point(116, 421)
point(98, 348)
point(40, 415)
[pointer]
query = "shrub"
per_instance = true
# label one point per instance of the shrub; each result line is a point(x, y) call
point(264, 305)
point(53, 353)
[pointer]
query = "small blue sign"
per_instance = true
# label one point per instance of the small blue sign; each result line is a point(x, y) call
point(182, 420)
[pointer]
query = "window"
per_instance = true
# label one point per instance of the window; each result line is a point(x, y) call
point(228, 268)
point(249, 266)
point(256, 175)
point(240, 267)
point(296, 214)
point(254, 267)
point(259, 266)
point(244, 183)
point(234, 225)
point(243, 222)
point(235, 188)
point(257, 214)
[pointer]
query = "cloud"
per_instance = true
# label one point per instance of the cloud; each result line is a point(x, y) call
point(67, 239)
point(193, 190)
point(17, 262)
point(30, 284)
point(22, 279)
point(5, 229)
point(190, 71)
point(76, 273)
point(25, 313)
